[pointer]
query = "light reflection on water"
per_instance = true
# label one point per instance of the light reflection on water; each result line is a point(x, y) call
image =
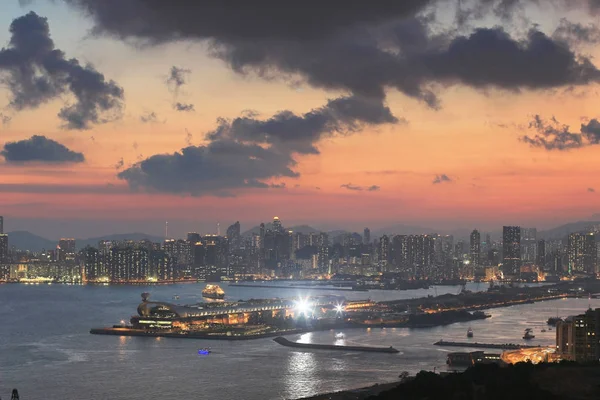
point(53, 334)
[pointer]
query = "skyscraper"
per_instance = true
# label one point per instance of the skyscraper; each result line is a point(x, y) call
point(277, 226)
point(66, 249)
point(367, 236)
point(3, 248)
point(582, 253)
point(193, 238)
point(234, 236)
point(511, 250)
point(528, 244)
point(541, 254)
point(475, 249)
point(384, 249)
point(1, 224)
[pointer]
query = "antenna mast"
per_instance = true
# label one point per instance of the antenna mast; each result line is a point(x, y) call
point(166, 229)
point(218, 229)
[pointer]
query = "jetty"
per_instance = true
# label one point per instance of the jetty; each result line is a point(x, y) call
point(475, 345)
point(284, 342)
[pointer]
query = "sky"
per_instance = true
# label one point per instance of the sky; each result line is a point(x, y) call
point(117, 116)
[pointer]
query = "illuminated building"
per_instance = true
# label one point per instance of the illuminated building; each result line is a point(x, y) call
point(511, 250)
point(4, 259)
point(128, 264)
point(384, 249)
point(93, 265)
point(367, 236)
point(66, 249)
point(234, 236)
point(162, 266)
point(582, 253)
point(578, 337)
point(475, 252)
point(528, 245)
point(193, 237)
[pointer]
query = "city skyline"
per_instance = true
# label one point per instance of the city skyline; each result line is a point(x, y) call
point(354, 148)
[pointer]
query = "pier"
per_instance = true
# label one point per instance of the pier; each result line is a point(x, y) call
point(475, 345)
point(284, 342)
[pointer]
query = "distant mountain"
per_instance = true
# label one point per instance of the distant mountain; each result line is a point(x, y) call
point(81, 243)
point(24, 240)
point(305, 229)
point(562, 231)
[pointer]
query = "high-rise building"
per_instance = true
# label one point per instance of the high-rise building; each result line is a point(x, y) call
point(3, 248)
point(577, 337)
point(93, 265)
point(234, 235)
point(475, 252)
point(528, 245)
point(1, 224)
point(277, 226)
point(66, 249)
point(541, 254)
point(384, 249)
point(511, 250)
point(367, 236)
point(582, 253)
point(193, 238)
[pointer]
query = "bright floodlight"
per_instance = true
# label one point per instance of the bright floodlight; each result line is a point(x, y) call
point(339, 308)
point(302, 306)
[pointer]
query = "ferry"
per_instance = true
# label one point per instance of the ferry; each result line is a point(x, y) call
point(340, 335)
point(469, 333)
point(213, 292)
point(528, 335)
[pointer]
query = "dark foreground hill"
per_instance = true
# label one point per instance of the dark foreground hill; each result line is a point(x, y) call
point(524, 381)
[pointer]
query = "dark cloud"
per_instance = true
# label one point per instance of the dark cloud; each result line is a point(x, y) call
point(120, 164)
point(35, 73)
point(159, 21)
point(248, 152)
point(149, 118)
point(5, 119)
point(183, 107)
point(281, 185)
point(215, 168)
point(300, 133)
point(349, 186)
point(177, 77)
point(576, 33)
point(366, 51)
point(591, 190)
point(552, 135)
point(441, 179)
point(39, 149)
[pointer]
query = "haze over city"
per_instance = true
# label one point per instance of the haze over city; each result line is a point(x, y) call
point(420, 113)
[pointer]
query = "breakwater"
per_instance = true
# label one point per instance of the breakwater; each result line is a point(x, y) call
point(190, 335)
point(339, 289)
point(475, 345)
point(284, 342)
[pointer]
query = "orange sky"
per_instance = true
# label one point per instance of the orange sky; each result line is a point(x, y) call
point(473, 139)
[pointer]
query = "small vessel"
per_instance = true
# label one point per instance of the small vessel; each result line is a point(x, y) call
point(176, 297)
point(469, 333)
point(213, 292)
point(543, 330)
point(340, 335)
point(204, 351)
point(528, 334)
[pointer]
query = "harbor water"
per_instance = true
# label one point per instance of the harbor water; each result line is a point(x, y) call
point(46, 351)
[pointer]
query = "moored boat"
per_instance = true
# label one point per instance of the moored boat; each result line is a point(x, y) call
point(469, 333)
point(528, 334)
